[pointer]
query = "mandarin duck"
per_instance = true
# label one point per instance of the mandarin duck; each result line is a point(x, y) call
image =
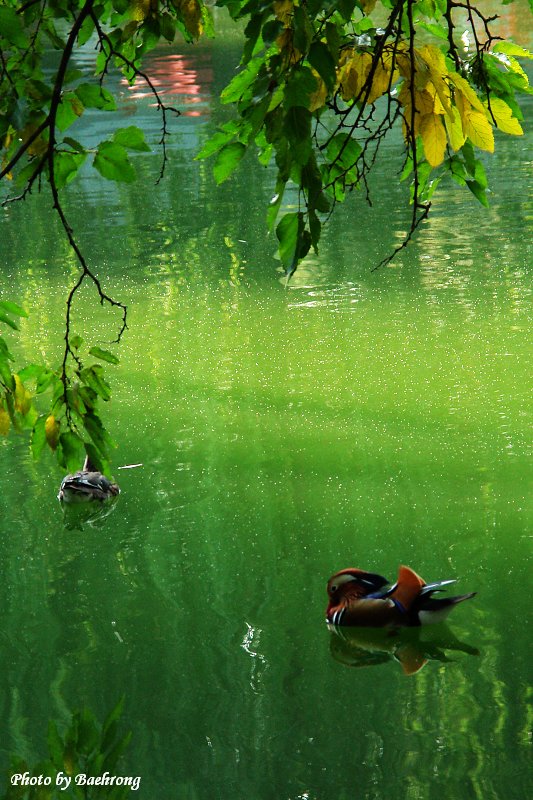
point(360, 598)
point(85, 485)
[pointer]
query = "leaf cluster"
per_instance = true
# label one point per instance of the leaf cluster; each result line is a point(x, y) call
point(86, 747)
point(321, 86)
point(61, 410)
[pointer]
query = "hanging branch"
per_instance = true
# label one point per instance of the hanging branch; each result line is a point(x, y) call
point(86, 272)
point(106, 46)
point(420, 209)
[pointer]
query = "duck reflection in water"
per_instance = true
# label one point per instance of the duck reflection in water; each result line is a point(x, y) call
point(411, 648)
point(76, 515)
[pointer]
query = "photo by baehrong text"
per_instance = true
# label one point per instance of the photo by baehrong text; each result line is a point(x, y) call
point(63, 781)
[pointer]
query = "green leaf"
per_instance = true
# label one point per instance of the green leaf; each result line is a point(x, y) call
point(55, 745)
point(215, 143)
point(479, 192)
point(76, 341)
point(470, 158)
point(92, 376)
point(68, 111)
point(321, 59)
point(344, 150)
point(303, 29)
point(13, 308)
point(104, 355)
point(88, 734)
point(5, 353)
point(457, 170)
point(238, 85)
point(297, 128)
point(8, 321)
point(44, 380)
point(92, 95)
point(168, 27)
point(86, 31)
point(89, 397)
point(97, 458)
point(131, 138)
point(275, 204)
point(301, 84)
point(66, 166)
point(436, 30)
point(11, 28)
point(32, 372)
point(346, 9)
point(511, 49)
point(38, 436)
point(109, 727)
point(6, 376)
point(97, 432)
point(227, 160)
point(111, 161)
point(73, 450)
point(294, 240)
point(74, 144)
point(114, 754)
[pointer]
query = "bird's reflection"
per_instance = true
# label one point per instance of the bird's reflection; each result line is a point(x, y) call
point(94, 514)
point(411, 648)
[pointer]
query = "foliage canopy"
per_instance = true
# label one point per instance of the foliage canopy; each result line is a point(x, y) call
point(321, 86)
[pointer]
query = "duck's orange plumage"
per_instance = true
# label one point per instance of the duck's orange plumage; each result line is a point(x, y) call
point(357, 597)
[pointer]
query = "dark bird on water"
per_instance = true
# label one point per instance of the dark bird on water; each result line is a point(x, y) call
point(362, 598)
point(87, 484)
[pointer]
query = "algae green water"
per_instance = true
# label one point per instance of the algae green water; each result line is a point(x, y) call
point(351, 418)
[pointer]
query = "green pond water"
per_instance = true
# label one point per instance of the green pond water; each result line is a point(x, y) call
point(351, 418)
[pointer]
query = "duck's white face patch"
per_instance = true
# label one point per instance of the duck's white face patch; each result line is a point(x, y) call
point(340, 580)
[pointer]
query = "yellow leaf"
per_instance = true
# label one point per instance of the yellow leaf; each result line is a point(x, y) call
point(283, 9)
point(454, 129)
point(433, 138)
point(438, 71)
point(285, 43)
point(317, 98)
point(353, 74)
point(4, 422)
point(424, 104)
point(478, 129)
point(191, 12)
point(464, 88)
point(367, 6)
point(51, 431)
point(22, 397)
point(503, 116)
point(422, 74)
point(403, 60)
point(381, 80)
point(142, 8)
point(434, 58)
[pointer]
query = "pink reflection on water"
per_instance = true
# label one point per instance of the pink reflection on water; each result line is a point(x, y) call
point(176, 74)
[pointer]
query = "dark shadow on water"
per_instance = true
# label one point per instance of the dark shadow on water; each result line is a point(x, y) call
point(412, 648)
